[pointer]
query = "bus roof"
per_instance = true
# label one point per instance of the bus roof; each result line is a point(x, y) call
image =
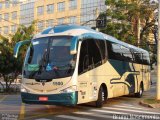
point(75, 30)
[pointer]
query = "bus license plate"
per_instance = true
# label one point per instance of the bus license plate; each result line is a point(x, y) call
point(43, 98)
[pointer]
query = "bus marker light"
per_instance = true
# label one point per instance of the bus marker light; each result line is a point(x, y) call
point(43, 98)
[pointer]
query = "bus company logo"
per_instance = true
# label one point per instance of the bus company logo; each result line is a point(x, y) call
point(43, 82)
point(57, 83)
point(51, 31)
point(32, 83)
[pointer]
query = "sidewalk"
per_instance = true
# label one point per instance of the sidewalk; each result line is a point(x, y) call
point(150, 100)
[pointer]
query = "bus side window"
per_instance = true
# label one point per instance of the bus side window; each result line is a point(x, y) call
point(127, 54)
point(84, 58)
point(92, 54)
point(146, 59)
point(102, 48)
point(109, 50)
point(115, 51)
point(138, 57)
point(97, 52)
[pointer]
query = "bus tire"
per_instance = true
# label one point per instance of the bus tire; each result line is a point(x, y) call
point(101, 97)
point(140, 93)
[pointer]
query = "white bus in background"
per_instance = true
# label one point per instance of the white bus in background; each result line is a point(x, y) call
point(70, 64)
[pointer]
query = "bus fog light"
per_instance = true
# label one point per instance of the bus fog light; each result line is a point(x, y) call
point(69, 89)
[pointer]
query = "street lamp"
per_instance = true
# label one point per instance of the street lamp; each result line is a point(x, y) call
point(1, 43)
point(158, 56)
point(155, 32)
point(158, 49)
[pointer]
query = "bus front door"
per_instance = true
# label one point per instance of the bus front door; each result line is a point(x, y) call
point(93, 85)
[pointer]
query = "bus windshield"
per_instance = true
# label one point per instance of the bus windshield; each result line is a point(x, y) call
point(49, 58)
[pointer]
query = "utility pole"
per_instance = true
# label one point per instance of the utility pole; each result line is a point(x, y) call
point(97, 14)
point(158, 56)
point(138, 31)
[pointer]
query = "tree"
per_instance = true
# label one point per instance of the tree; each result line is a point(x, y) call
point(10, 67)
point(117, 23)
point(123, 19)
point(141, 14)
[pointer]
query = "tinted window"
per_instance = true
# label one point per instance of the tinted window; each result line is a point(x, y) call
point(102, 48)
point(122, 53)
point(119, 52)
point(146, 60)
point(127, 55)
point(140, 58)
point(92, 54)
point(137, 56)
point(97, 52)
point(49, 58)
point(84, 59)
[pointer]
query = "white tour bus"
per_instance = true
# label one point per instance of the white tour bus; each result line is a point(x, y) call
point(70, 64)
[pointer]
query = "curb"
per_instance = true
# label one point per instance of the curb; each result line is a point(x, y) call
point(18, 93)
point(148, 105)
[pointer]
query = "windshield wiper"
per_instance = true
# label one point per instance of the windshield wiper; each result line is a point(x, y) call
point(42, 67)
point(43, 62)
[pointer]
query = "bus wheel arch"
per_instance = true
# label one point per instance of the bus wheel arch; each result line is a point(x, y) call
point(139, 94)
point(102, 95)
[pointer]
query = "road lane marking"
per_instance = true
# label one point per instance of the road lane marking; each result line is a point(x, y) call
point(43, 119)
point(22, 111)
point(129, 107)
point(40, 115)
point(3, 98)
point(9, 110)
point(72, 117)
point(129, 110)
point(93, 114)
point(107, 111)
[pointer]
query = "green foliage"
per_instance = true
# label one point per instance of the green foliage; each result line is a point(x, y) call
point(23, 33)
point(122, 20)
point(10, 67)
point(117, 23)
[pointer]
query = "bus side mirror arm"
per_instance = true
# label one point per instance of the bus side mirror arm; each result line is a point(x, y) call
point(18, 45)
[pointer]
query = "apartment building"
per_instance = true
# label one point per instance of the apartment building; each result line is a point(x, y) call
point(50, 13)
point(9, 17)
point(47, 13)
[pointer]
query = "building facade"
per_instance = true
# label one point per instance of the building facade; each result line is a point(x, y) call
point(48, 13)
point(9, 17)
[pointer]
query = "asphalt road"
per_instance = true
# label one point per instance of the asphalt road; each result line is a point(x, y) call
point(11, 108)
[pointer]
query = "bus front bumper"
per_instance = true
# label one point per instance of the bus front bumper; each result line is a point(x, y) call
point(53, 99)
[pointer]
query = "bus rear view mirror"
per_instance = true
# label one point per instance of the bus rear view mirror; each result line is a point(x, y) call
point(73, 47)
point(18, 45)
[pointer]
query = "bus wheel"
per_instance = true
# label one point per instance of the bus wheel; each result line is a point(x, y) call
point(101, 97)
point(140, 93)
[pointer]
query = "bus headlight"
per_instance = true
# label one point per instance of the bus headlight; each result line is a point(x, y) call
point(24, 89)
point(69, 89)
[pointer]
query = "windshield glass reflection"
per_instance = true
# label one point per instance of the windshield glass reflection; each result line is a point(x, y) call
point(49, 58)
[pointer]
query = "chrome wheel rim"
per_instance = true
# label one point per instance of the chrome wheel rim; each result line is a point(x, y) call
point(141, 91)
point(103, 96)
